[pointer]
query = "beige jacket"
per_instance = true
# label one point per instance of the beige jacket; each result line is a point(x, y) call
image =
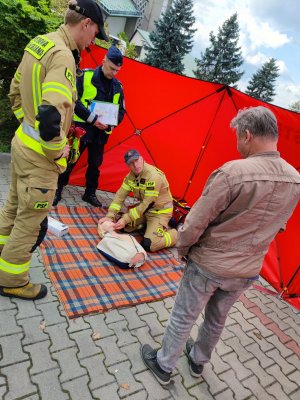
point(49, 80)
point(151, 188)
point(244, 204)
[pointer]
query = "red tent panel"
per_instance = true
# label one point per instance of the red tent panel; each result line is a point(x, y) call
point(181, 125)
point(281, 264)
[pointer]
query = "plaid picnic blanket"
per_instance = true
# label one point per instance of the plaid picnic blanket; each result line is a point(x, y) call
point(86, 282)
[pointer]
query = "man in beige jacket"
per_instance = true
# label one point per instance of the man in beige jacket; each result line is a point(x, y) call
point(225, 237)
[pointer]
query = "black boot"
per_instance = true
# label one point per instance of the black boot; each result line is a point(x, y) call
point(57, 196)
point(92, 199)
point(149, 357)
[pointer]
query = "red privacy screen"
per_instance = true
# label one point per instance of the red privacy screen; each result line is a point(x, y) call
point(181, 125)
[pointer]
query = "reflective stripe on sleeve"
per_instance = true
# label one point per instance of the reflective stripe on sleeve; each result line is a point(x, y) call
point(19, 113)
point(115, 207)
point(126, 187)
point(165, 211)
point(17, 76)
point(116, 98)
point(36, 87)
point(133, 212)
point(91, 117)
point(58, 88)
point(168, 239)
point(151, 193)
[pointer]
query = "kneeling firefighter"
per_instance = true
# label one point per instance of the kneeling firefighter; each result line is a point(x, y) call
point(154, 210)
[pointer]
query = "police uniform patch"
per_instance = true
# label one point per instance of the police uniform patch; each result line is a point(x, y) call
point(39, 46)
point(70, 77)
point(41, 205)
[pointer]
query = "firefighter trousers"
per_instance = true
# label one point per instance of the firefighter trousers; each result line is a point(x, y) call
point(158, 235)
point(23, 220)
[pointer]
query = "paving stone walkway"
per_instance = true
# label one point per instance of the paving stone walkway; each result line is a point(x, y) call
point(46, 356)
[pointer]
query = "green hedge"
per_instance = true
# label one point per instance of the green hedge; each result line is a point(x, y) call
point(20, 21)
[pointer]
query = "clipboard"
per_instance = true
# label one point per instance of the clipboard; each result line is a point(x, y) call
point(108, 112)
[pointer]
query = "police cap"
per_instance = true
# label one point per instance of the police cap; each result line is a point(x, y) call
point(115, 56)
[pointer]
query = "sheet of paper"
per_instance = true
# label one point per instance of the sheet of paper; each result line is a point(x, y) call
point(108, 112)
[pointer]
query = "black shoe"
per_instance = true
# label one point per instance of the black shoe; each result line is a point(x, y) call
point(195, 370)
point(57, 197)
point(149, 357)
point(92, 199)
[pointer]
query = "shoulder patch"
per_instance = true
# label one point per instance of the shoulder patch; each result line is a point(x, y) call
point(70, 77)
point(39, 46)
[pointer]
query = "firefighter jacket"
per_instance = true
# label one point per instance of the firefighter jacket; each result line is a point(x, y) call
point(151, 188)
point(93, 85)
point(43, 95)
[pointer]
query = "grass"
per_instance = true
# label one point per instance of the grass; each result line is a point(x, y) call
point(4, 147)
point(6, 135)
point(8, 122)
point(8, 127)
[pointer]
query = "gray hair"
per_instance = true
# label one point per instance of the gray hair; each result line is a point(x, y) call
point(260, 121)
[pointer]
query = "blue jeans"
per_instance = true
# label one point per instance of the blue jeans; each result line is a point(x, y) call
point(199, 290)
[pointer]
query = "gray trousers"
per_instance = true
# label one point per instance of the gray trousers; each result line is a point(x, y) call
point(199, 290)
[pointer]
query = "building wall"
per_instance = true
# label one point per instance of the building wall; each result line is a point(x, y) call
point(130, 27)
point(139, 42)
point(116, 24)
point(152, 10)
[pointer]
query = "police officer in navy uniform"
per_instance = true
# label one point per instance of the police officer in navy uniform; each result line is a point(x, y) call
point(99, 85)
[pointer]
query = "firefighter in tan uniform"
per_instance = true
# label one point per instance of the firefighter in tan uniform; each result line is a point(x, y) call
point(150, 186)
point(42, 95)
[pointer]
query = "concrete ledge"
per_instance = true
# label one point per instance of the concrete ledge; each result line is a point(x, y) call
point(5, 157)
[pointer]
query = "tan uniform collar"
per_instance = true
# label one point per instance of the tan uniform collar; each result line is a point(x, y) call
point(65, 34)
